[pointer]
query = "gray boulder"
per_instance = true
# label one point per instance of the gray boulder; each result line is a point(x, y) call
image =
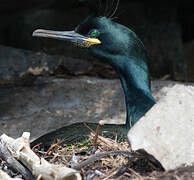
point(167, 130)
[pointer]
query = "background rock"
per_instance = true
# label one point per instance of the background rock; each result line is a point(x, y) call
point(53, 103)
point(189, 52)
point(156, 23)
point(22, 67)
point(167, 130)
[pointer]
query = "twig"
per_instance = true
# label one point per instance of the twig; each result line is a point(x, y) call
point(54, 146)
point(110, 175)
point(135, 173)
point(100, 124)
point(89, 128)
point(20, 149)
point(37, 145)
point(102, 155)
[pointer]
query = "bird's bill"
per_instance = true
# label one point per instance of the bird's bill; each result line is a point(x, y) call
point(71, 36)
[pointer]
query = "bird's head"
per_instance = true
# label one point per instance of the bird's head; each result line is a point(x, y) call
point(98, 35)
point(120, 47)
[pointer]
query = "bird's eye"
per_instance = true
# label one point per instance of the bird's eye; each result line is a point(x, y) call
point(94, 33)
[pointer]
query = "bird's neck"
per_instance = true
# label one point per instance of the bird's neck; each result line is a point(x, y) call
point(134, 78)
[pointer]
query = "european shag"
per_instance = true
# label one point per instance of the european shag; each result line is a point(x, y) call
point(119, 46)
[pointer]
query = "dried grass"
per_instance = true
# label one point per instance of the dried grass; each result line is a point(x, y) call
point(107, 166)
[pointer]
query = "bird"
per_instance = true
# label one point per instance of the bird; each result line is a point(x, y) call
point(120, 47)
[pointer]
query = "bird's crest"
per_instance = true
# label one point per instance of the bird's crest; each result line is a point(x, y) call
point(106, 8)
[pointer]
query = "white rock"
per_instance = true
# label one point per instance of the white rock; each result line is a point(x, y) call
point(167, 130)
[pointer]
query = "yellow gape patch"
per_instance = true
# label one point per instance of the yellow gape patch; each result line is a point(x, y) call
point(93, 41)
point(87, 42)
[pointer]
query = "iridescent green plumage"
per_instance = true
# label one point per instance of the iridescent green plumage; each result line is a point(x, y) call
point(121, 48)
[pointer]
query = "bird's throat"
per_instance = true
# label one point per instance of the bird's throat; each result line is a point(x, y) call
point(138, 97)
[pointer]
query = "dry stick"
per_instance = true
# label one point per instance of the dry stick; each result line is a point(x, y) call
point(135, 173)
point(20, 148)
point(100, 124)
point(54, 146)
point(89, 128)
point(102, 155)
point(108, 142)
point(37, 145)
point(99, 137)
point(13, 163)
point(110, 175)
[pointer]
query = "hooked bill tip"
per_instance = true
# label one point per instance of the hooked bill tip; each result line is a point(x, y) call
point(37, 32)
